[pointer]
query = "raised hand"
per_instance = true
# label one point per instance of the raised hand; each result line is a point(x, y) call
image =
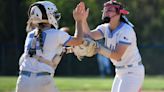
point(80, 13)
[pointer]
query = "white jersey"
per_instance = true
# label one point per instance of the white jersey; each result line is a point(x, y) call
point(123, 34)
point(53, 41)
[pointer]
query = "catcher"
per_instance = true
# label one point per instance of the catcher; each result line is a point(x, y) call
point(120, 46)
point(44, 47)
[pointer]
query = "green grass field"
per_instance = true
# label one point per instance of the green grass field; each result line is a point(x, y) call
point(87, 84)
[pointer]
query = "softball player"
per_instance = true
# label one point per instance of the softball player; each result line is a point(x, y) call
point(120, 46)
point(44, 47)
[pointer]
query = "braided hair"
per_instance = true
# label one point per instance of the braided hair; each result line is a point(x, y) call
point(38, 33)
point(41, 26)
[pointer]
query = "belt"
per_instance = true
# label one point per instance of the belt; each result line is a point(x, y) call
point(28, 73)
point(128, 66)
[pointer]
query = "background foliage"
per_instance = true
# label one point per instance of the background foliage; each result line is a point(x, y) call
point(146, 15)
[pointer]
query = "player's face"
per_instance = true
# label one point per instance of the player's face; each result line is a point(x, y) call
point(110, 11)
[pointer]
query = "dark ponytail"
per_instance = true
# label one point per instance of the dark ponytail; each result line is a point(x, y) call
point(40, 36)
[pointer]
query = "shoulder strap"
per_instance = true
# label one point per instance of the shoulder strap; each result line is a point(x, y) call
point(32, 50)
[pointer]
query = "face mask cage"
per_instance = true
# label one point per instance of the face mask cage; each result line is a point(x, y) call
point(57, 16)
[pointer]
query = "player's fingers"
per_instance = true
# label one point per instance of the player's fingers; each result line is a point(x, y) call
point(77, 7)
point(87, 12)
point(76, 10)
point(82, 5)
point(80, 10)
point(84, 8)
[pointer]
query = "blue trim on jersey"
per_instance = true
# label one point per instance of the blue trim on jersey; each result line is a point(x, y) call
point(31, 38)
point(31, 35)
point(101, 32)
point(67, 41)
point(43, 40)
point(122, 42)
point(110, 35)
point(43, 37)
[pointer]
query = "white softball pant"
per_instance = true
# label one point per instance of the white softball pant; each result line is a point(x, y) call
point(35, 84)
point(129, 79)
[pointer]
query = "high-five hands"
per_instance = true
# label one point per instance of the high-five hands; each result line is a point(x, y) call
point(80, 13)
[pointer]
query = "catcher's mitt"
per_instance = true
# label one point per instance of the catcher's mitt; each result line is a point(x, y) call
point(88, 49)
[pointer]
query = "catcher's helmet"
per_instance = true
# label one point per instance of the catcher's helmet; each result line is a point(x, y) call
point(43, 12)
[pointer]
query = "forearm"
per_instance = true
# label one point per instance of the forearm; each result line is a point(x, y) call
point(43, 60)
point(86, 29)
point(104, 51)
point(78, 30)
point(55, 61)
point(109, 54)
point(116, 55)
point(94, 34)
point(78, 35)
